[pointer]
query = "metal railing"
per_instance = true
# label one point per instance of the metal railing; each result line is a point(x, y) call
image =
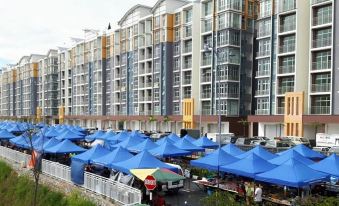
point(262, 112)
point(287, 48)
point(321, 65)
point(14, 155)
point(287, 27)
point(322, 42)
point(263, 53)
point(280, 110)
point(320, 110)
point(324, 19)
point(119, 192)
point(321, 87)
point(286, 69)
point(56, 169)
point(261, 73)
point(319, 1)
point(262, 92)
point(284, 89)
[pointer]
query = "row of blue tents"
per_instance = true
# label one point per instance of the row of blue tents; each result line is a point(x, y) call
point(294, 167)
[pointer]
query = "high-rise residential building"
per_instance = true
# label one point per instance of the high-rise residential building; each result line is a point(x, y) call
point(295, 92)
point(48, 98)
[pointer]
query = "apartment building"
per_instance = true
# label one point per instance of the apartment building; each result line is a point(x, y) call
point(48, 97)
point(294, 92)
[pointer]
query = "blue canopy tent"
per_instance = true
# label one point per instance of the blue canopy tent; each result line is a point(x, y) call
point(261, 152)
point(214, 160)
point(232, 149)
point(329, 165)
point(292, 173)
point(70, 136)
point(4, 134)
point(248, 166)
point(14, 129)
point(164, 139)
point(173, 137)
point(147, 144)
point(64, 147)
point(94, 136)
point(50, 143)
point(185, 144)
point(143, 160)
point(39, 142)
point(289, 155)
point(52, 132)
point(138, 134)
point(19, 141)
point(107, 135)
point(189, 138)
point(167, 149)
point(93, 153)
point(119, 137)
point(117, 155)
point(204, 142)
point(306, 152)
point(130, 141)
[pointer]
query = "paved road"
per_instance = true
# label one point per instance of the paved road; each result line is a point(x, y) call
point(191, 194)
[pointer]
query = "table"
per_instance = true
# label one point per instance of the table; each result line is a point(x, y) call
point(223, 186)
point(277, 201)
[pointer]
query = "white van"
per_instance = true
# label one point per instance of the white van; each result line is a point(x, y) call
point(224, 138)
point(174, 186)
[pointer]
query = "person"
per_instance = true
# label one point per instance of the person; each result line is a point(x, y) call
point(249, 193)
point(258, 195)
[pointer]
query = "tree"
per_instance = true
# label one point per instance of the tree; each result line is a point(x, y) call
point(244, 124)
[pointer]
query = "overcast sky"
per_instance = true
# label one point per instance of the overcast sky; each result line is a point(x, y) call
point(34, 26)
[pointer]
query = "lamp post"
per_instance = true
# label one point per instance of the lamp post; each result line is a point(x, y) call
point(215, 55)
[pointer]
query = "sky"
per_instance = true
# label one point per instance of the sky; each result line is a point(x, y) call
point(35, 26)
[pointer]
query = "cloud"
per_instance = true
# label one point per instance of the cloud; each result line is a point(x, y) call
point(38, 25)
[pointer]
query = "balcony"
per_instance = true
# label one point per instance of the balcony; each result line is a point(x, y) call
point(262, 112)
point(262, 92)
point(286, 69)
point(321, 65)
point(264, 33)
point(320, 20)
point(206, 78)
point(206, 111)
point(206, 95)
point(284, 89)
point(287, 6)
point(287, 27)
point(262, 73)
point(263, 53)
point(228, 95)
point(280, 110)
point(187, 49)
point(323, 42)
point(207, 27)
point(287, 48)
point(320, 110)
point(206, 61)
point(319, 1)
point(186, 81)
point(321, 87)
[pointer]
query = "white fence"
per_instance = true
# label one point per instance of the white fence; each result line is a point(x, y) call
point(117, 191)
point(14, 155)
point(56, 169)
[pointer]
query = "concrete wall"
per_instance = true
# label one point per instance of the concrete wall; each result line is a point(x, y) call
point(270, 130)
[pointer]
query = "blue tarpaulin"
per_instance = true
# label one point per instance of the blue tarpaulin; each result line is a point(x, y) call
point(204, 142)
point(167, 149)
point(306, 152)
point(50, 143)
point(130, 141)
point(147, 144)
point(117, 155)
point(93, 153)
point(94, 136)
point(189, 138)
point(292, 173)
point(4, 134)
point(173, 137)
point(232, 149)
point(162, 140)
point(185, 144)
point(69, 135)
point(77, 172)
point(119, 137)
point(143, 160)
point(64, 147)
point(107, 135)
point(39, 142)
point(248, 166)
point(289, 155)
point(329, 165)
point(214, 160)
point(15, 128)
point(51, 132)
point(259, 151)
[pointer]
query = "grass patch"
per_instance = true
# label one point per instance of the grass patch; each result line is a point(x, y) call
point(18, 191)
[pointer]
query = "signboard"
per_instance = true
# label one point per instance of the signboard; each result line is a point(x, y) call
point(150, 183)
point(327, 140)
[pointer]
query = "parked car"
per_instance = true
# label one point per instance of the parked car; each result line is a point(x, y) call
point(299, 140)
point(257, 140)
point(334, 149)
point(171, 186)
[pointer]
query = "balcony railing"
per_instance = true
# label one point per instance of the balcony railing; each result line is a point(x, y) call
point(318, 1)
point(284, 89)
point(262, 92)
point(206, 62)
point(261, 73)
point(262, 111)
point(206, 78)
point(287, 48)
point(206, 95)
point(187, 49)
point(264, 33)
point(228, 95)
point(287, 27)
point(320, 110)
point(187, 81)
point(323, 42)
point(319, 20)
point(286, 69)
point(263, 53)
point(321, 65)
point(287, 6)
point(321, 87)
point(280, 110)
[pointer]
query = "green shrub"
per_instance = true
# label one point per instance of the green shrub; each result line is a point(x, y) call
point(220, 199)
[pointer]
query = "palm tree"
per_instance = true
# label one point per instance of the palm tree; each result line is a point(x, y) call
point(244, 124)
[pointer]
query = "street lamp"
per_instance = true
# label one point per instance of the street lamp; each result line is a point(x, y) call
point(215, 55)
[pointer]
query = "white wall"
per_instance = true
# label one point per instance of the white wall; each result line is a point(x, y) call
point(270, 130)
point(309, 131)
point(332, 129)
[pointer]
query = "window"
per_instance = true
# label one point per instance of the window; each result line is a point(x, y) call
point(323, 15)
point(264, 47)
point(177, 34)
point(264, 28)
point(322, 60)
point(177, 19)
point(188, 16)
point(157, 21)
point(287, 23)
point(207, 8)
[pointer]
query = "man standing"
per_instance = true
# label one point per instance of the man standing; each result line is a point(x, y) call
point(258, 195)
